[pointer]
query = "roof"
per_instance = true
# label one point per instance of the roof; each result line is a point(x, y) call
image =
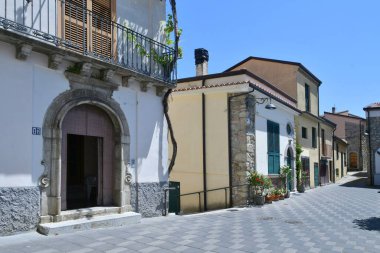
point(340, 140)
point(373, 106)
point(257, 87)
point(320, 119)
point(347, 116)
point(234, 73)
point(276, 61)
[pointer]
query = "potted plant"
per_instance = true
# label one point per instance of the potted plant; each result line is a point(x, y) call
point(267, 190)
point(276, 194)
point(285, 171)
point(256, 181)
point(281, 193)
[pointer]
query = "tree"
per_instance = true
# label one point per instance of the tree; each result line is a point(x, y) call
point(167, 94)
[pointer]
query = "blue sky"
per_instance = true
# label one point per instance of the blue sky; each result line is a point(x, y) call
point(336, 40)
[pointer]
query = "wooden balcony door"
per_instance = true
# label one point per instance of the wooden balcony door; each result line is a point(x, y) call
point(88, 26)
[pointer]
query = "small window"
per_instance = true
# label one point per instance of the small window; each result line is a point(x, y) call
point(314, 137)
point(307, 97)
point(304, 132)
point(337, 151)
point(289, 129)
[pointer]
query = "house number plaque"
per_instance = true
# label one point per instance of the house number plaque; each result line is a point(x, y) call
point(36, 131)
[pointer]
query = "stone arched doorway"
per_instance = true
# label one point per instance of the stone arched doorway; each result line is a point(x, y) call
point(55, 131)
point(87, 164)
point(290, 161)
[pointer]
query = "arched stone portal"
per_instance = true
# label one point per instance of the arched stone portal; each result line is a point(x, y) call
point(51, 180)
point(290, 161)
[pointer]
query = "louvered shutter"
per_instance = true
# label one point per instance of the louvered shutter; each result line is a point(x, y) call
point(101, 29)
point(273, 141)
point(75, 24)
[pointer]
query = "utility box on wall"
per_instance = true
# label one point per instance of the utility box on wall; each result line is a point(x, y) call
point(174, 197)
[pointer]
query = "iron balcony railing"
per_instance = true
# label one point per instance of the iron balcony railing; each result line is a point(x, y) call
point(70, 25)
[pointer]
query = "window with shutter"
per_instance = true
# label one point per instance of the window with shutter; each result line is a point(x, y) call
point(88, 26)
point(273, 131)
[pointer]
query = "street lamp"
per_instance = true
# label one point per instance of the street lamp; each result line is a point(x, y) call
point(269, 106)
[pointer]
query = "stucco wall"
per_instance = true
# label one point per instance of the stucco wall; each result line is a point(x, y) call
point(29, 89)
point(301, 81)
point(308, 150)
point(186, 114)
point(281, 116)
point(342, 148)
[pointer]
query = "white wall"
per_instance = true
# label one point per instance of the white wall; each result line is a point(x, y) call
point(144, 113)
point(29, 87)
point(282, 116)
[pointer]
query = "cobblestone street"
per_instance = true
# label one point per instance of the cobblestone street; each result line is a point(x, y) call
point(336, 218)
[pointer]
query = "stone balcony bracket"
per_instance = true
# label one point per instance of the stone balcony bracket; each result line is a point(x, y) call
point(144, 86)
point(23, 51)
point(55, 60)
point(107, 75)
point(160, 91)
point(86, 69)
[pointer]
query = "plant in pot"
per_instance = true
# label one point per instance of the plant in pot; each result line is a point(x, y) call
point(267, 190)
point(256, 181)
point(285, 172)
point(276, 194)
point(282, 193)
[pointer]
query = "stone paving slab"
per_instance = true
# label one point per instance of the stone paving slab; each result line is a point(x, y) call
point(333, 218)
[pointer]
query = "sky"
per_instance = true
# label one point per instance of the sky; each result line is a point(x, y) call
point(337, 40)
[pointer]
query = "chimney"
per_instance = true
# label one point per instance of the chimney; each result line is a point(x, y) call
point(333, 110)
point(201, 61)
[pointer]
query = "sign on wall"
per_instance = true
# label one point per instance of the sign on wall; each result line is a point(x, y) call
point(36, 131)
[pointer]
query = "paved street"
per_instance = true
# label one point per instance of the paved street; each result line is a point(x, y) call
point(334, 218)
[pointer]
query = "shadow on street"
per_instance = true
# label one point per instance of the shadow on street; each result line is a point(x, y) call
point(360, 181)
point(371, 224)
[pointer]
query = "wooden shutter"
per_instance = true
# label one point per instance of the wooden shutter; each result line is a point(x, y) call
point(273, 131)
point(101, 29)
point(75, 24)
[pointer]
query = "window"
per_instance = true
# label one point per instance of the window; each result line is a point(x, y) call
point(323, 142)
point(307, 97)
point(88, 26)
point(273, 131)
point(289, 129)
point(337, 151)
point(304, 132)
point(314, 137)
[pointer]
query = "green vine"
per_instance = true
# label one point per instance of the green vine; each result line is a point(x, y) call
point(74, 69)
point(298, 165)
point(164, 59)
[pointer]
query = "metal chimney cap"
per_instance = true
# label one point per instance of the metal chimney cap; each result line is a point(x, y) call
point(201, 55)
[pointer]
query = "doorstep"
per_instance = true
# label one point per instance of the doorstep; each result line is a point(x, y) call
point(90, 222)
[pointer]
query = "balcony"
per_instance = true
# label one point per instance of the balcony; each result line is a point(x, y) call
point(67, 26)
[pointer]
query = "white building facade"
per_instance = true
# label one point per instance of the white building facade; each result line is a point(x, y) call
point(81, 109)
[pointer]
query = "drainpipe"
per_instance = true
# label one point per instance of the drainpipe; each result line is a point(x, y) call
point(360, 145)
point(229, 136)
point(333, 154)
point(319, 153)
point(370, 149)
point(204, 150)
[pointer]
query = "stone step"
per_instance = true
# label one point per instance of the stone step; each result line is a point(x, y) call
point(104, 221)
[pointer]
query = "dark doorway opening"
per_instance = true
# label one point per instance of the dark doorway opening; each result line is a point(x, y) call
point(84, 171)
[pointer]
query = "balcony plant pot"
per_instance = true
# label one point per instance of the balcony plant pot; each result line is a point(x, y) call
point(287, 194)
point(259, 200)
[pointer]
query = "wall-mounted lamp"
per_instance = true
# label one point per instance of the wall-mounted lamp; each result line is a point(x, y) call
point(366, 132)
point(269, 106)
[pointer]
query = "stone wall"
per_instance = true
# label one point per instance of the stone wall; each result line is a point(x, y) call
point(242, 125)
point(148, 198)
point(19, 209)
point(374, 123)
point(356, 143)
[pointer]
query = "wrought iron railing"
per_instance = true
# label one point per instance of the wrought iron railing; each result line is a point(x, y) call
point(68, 24)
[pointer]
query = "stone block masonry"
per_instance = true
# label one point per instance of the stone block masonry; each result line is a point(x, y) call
point(243, 143)
point(148, 198)
point(19, 209)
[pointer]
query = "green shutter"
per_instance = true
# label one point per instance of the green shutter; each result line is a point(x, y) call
point(273, 131)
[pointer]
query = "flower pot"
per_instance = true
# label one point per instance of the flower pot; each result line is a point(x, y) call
point(258, 200)
point(301, 188)
point(268, 199)
point(281, 197)
point(276, 197)
point(287, 194)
